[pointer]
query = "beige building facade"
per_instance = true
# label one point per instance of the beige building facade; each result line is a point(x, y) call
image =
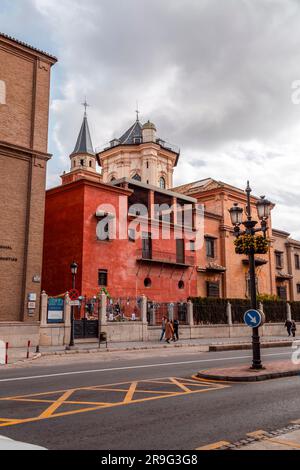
point(287, 265)
point(139, 154)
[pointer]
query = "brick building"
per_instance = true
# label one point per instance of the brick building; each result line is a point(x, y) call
point(24, 110)
point(218, 266)
point(134, 257)
point(287, 266)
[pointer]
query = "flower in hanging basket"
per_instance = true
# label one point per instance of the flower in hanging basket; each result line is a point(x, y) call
point(246, 244)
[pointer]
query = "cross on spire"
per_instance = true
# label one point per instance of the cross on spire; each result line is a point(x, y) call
point(137, 111)
point(86, 105)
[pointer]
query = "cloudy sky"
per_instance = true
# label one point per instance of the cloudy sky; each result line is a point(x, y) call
point(216, 77)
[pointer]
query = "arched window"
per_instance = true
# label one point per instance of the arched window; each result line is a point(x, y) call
point(137, 177)
point(90, 163)
point(2, 92)
point(162, 183)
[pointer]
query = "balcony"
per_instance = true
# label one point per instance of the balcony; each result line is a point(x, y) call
point(163, 257)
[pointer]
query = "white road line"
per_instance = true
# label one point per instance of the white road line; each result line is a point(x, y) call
point(146, 366)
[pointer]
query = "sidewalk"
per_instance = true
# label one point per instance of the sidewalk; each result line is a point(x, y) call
point(19, 354)
point(287, 438)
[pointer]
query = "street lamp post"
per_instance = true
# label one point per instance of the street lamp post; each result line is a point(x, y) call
point(74, 268)
point(236, 213)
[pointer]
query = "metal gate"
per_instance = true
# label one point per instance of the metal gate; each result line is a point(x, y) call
point(86, 318)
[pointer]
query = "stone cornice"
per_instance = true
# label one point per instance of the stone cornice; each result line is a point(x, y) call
point(16, 151)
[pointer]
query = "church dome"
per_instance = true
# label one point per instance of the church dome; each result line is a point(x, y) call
point(149, 125)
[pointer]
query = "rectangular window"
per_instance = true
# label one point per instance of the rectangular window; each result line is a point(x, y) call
point(248, 286)
point(180, 258)
point(282, 292)
point(213, 289)
point(210, 247)
point(192, 245)
point(297, 261)
point(131, 235)
point(102, 277)
point(146, 245)
point(298, 288)
point(278, 259)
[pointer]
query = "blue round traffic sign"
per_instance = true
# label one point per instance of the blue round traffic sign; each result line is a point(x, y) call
point(253, 318)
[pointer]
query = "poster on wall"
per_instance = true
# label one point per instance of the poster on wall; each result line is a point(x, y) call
point(55, 311)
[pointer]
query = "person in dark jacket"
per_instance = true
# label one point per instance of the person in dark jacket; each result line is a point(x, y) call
point(293, 328)
point(288, 325)
point(176, 328)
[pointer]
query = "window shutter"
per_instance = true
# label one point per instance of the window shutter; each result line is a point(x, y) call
point(213, 289)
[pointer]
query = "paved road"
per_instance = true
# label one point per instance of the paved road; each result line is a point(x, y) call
point(149, 402)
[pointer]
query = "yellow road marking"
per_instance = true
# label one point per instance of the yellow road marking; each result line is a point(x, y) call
point(49, 411)
point(33, 400)
point(180, 385)
point(7, 420)
point(130, 393)
point(258, 433)
point(214, 446)
point(202, 379)
point(284, 442)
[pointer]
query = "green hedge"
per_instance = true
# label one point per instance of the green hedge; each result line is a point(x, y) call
point(295, 307)
point(208, 310)
point(275, 311)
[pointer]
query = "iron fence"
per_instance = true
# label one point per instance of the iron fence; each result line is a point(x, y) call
point(171, 310)
point(209, 312)
point(295, 309)
point(275, 311)
point(238, 309)
point(124, 309)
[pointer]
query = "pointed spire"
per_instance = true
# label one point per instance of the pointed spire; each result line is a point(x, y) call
point(84, 142)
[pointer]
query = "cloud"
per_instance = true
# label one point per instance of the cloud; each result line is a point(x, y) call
point(216, 81)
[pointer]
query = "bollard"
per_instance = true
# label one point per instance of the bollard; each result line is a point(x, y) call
point(28, 349)
point(6, 353)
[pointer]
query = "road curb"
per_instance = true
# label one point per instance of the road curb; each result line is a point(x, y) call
point(243, 346)
point(202, 348)
point(247, 378)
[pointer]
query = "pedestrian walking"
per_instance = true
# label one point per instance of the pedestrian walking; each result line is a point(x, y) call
point(288, 325)
point(176, 328)
point(163, 327)
point(169, 333)
point(293, 328)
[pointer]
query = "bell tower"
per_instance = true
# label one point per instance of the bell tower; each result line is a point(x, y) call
point(83, 157)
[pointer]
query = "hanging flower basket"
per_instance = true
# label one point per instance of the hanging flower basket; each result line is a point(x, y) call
point(246, 244)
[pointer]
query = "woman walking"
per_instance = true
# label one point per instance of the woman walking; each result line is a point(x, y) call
point(163, 327)
point(169, 333)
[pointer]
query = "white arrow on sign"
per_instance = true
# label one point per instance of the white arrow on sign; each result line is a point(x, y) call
point(252, 319)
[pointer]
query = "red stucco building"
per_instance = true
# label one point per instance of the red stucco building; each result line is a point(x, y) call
point(138, 256)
